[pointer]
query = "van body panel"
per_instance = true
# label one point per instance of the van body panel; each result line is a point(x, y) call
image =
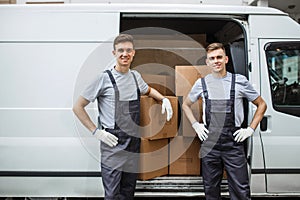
point(42, 63)
point(48, 29)
point(281, 139)
point(265, 26)
point(51, 187)
point(44, 60)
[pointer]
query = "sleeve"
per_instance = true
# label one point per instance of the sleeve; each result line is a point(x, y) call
point(93, 89)
point(196, 91)
point(143, 86)
point(247, 90)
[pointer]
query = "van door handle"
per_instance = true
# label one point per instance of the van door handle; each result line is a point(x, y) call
point(264, 124)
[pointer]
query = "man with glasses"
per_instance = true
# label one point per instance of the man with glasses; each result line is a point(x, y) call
point(221, 133)
point(118, 93)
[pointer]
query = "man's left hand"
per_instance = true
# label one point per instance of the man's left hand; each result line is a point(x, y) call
point(166, 106)
point(242, 134)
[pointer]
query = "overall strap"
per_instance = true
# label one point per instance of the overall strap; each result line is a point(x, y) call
point(232, 97)
point(116, 93)
point(204, 87)
point(112, 79)
point(137, 86)
point(232, 90)
point(207, 102)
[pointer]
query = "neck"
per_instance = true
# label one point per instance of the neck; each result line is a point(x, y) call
point(122, 69)
point(220, 74)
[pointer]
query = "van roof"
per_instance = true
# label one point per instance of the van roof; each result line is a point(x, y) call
point(148, 8)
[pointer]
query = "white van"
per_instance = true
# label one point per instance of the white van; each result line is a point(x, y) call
point(48, 53)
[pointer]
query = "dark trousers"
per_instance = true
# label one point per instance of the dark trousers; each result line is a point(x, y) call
point(118, 185)
point(234, 161)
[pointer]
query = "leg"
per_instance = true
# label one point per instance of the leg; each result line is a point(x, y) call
point(237, 173)
point(128, 183)
point(129, 177)
point(212, 171)
point(111, 179)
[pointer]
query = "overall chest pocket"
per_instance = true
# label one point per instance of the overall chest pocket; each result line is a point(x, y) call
point(130, 107)
point(220, 106)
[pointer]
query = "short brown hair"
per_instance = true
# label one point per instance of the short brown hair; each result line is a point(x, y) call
point(123, 38)
point(215, 46)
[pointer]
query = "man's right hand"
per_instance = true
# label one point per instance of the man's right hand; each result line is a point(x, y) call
point(106, 137)
point(200, 130)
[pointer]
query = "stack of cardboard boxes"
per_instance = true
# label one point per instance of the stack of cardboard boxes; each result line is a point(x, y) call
point(187, 142)
point(169, 148)
point(156, 131)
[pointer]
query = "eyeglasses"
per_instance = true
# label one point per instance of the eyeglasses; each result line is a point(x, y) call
point(128, 50)
point(215, 57)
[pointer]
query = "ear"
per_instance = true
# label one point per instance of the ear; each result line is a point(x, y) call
point(133, 52)
point(207, 62)
point(114, 52)
point(226, 59)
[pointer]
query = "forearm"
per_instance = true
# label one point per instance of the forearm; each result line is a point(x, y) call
point(259, 113)
point(155, 94)
point(186, 107)
point(82, 115)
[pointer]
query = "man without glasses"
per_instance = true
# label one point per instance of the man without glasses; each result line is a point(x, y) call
point(221, 132)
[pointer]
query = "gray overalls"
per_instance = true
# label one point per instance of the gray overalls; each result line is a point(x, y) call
point(220, 150)
point(119, 165)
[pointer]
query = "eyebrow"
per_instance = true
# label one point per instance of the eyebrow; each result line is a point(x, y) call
point(213, 57)
point(128, 50)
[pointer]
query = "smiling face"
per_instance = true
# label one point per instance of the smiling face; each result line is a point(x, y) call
point(217, 60)
point(124, 54)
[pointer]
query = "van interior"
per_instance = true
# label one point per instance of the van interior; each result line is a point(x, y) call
point(167, 40)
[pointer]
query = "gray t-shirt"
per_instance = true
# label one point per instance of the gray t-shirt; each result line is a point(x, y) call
point(219, 88)
point(103, 88)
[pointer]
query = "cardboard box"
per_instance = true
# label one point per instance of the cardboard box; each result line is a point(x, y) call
point(168, 57)
point(186, 76)
point(163, 84)
point(200, 38)
point(184, 156)
point(153, 158)
point(153, 124)
point(169, 40)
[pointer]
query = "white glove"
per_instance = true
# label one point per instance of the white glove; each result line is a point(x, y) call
point(166, 106)
point(106, 137)
point(200, 130)
point(242, 134)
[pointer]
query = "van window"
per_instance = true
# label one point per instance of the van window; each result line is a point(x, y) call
point(283, 59)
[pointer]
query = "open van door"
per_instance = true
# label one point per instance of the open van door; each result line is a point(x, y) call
point(279, 130)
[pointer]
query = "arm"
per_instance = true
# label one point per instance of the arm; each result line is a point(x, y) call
point(259, 113)
point(243, 133)
point(199, 128)
point(186, 107)
point(82, 115)
point(155, 94)
point(80, 112)
point(166, 105)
